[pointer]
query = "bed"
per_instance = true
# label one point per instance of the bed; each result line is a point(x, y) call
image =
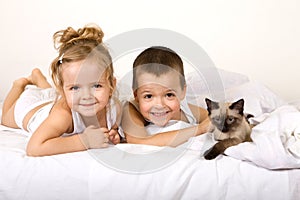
point(268, 168)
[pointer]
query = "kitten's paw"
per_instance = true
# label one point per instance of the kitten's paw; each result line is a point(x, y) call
point(211, 153)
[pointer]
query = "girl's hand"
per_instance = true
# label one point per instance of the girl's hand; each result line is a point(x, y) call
point(114, 136)
point(95, 138)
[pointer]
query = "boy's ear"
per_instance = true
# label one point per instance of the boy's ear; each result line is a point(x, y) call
point(135, 96)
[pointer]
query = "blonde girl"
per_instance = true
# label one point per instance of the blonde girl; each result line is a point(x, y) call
point(85, 114)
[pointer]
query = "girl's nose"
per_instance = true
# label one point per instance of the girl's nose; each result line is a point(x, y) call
point(86, 93)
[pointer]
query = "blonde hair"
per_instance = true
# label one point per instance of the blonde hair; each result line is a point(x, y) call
point(78, 45)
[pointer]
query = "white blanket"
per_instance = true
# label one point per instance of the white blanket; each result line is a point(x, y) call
point(276, 142)
point(128, 171)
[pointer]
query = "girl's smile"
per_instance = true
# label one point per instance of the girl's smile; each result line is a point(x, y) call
point(87, 91)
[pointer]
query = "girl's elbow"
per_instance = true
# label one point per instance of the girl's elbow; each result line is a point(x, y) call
point(32, 151)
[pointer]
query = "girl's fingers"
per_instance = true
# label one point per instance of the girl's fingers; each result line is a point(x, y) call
point(104, 145)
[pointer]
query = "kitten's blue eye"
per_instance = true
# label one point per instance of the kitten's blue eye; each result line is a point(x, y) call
point(230, 120)
point(217, 119)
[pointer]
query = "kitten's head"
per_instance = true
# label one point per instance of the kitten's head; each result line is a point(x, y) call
point(225, 116)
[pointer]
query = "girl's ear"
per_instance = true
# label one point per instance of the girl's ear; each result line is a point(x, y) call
point(114, 82)
point(183, 93)
point(60, 92)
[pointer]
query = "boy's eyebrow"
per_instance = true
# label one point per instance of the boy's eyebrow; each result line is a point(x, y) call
point(171, 89)
point(146, 90)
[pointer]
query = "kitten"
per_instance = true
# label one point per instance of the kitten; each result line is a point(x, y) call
point(229, 126)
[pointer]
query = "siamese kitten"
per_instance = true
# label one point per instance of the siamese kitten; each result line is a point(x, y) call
point(229, 126)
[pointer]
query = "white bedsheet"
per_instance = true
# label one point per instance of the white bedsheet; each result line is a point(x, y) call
point(88, 175)
point(268, 168)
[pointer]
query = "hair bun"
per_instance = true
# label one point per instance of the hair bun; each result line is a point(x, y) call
point(68, 36)
point(93, 32)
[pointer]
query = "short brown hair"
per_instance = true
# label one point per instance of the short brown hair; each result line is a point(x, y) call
point(158, 60)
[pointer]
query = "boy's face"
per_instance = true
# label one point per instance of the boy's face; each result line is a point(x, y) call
point(159, 97)
point(85, 87)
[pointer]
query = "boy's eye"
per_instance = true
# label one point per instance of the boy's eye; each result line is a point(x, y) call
point(170, 94)
point(148, 96)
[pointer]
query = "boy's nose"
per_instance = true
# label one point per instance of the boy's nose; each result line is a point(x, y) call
point(159, 101)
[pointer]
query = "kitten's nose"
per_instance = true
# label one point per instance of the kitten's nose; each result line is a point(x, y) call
point(225, 129)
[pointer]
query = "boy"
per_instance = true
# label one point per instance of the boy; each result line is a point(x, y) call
point(159, 102)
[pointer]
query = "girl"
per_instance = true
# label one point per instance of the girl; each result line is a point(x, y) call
point(159, 114)
point(83, 76)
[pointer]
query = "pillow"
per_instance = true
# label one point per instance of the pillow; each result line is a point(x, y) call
point(198, 84)
point(296, 104)
point(1, 104)
point(258, 98)
point(124, 90)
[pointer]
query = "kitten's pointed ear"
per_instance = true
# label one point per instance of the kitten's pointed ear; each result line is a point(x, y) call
point(238, 105)
point(208, 103)
point(211, 105)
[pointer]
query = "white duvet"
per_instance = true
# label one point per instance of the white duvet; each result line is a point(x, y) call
point(128, 171)
point(268, 168)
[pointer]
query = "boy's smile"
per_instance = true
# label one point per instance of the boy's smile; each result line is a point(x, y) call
point(159, 97)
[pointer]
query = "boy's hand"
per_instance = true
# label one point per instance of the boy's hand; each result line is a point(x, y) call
point(114, 136)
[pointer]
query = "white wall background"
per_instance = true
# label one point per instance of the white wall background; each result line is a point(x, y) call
point(260, 38)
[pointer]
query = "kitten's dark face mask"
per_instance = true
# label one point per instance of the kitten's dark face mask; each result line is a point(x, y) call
point(224, 124)
point(224, 116)
point(219, 122)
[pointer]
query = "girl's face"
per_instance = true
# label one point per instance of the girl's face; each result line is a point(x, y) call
point(159, 97)
point(85, 87)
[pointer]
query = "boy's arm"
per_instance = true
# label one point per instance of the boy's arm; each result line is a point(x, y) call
point(199, 113)
point(133, 126)
point(170, 138)
point(133, 122)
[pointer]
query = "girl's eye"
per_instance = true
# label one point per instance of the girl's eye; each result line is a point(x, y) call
point(97, 85)
point(74, 88)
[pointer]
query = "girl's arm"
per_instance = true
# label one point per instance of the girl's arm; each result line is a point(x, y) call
point(47, 140)
point(133, 125)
